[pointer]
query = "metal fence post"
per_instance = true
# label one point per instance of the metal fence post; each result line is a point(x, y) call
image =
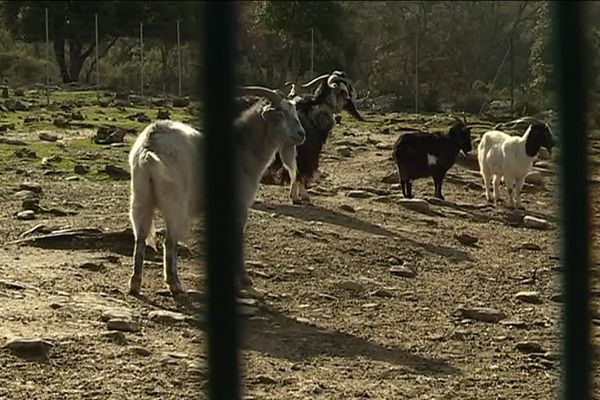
point(178, 60)
point(47, 58)
point(224, 238)
point(142, 59)
point(570, 56)
point(97, 66)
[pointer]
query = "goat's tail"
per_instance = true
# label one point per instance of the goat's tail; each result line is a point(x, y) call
point(157, 167)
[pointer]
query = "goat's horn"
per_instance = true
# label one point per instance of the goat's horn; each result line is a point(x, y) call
point(333, 79)
point(317, 79)
point(273, 95)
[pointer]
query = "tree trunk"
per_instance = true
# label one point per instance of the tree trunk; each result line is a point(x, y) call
point(59, 52)
point(76, 59)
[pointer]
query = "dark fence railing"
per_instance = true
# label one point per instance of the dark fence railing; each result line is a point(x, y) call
point(570, 56)
point(224, 240)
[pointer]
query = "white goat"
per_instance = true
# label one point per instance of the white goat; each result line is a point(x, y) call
point(510, 157)
point(167, 173)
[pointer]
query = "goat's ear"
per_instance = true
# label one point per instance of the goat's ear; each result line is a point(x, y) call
point(270, 113)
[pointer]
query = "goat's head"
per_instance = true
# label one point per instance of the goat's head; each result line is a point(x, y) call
point(462, 134)
point(280, 113)
point(340, 92)
point(539, 136)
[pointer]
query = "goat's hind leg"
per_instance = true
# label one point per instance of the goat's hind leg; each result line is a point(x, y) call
point(141, 219)
point(170, 264)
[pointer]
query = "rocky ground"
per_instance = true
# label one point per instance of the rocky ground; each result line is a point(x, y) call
point(360, 295)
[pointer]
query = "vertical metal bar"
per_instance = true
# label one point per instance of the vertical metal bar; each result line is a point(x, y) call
point(224, 236)
point(417, 71)
point(312, 51)
point(97, 65)
point(178, 59)
point(142, 59)
point(47, 59)
point(512, 76)
point(571, 73)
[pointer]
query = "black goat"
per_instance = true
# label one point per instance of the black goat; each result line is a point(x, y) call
point(317, 115)
point(419, 155)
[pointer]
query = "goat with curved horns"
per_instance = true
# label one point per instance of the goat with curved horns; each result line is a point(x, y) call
point(168, 174)
point(316, 112)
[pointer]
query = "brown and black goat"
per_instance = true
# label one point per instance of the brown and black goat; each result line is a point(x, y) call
point(317, 114)
point(420, 155)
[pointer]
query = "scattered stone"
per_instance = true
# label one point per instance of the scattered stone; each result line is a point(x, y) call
point(551, 356)
point(4, 92)
point(514, 324)
point(116, 324)
point(31, 348)
point(482, 314)
point(466, 239)
point(403, 271)
point(11, 285)
point(115, 172)
point(116, 313)
point(359, 194)
point(140, 351)
point(77, 116)
point(60, 122)
point(46, 161)
point(117, 337)
point(529, 246)
point(139, 117)
point(48, 137)
point(169, 317)
point(343, 151)
point(392, 177)
point(347, 208)
point(180, 102)
point(247, 302)
point(535, 223)
point(81, 169)
point(351, 286)
point(435, 201)
point(26, 215)
point(109, 134)
point(529, 297)
point(370, 305)
point(15, 105)
point(265, 380)
point(31, 203)
point(24, 194)
point(247, 311)
point(91, 266)
point(557, 297)
point(25, 153)
point(535, 178)
point(34, 187)
point(417, 205)
point(382, 293)
point(7, 127)
point(11, 141)
point(529, 347)
point(163, 114)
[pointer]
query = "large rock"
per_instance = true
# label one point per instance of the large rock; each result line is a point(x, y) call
point(29, 347)
point(418, 205)
point(535, 223)
point(483, 314)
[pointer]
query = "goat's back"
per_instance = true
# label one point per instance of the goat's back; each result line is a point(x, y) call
point(166, 167)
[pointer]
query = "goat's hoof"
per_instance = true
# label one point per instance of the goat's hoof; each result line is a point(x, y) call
point(297, 201)
point(135, 287)
point(176, 289)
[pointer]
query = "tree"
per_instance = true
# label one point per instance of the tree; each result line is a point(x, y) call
point(72, 25)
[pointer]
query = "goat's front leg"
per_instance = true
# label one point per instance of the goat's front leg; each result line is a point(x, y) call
point(170, 264)
point(243, 276)
point(510, 183)
point(287, 153)
point(518, 187)
point(437, 183)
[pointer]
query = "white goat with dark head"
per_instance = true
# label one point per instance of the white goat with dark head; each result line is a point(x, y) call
point(167, 173)
point(502, 156)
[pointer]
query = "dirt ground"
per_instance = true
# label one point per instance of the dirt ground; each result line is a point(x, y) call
point(333, 320)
